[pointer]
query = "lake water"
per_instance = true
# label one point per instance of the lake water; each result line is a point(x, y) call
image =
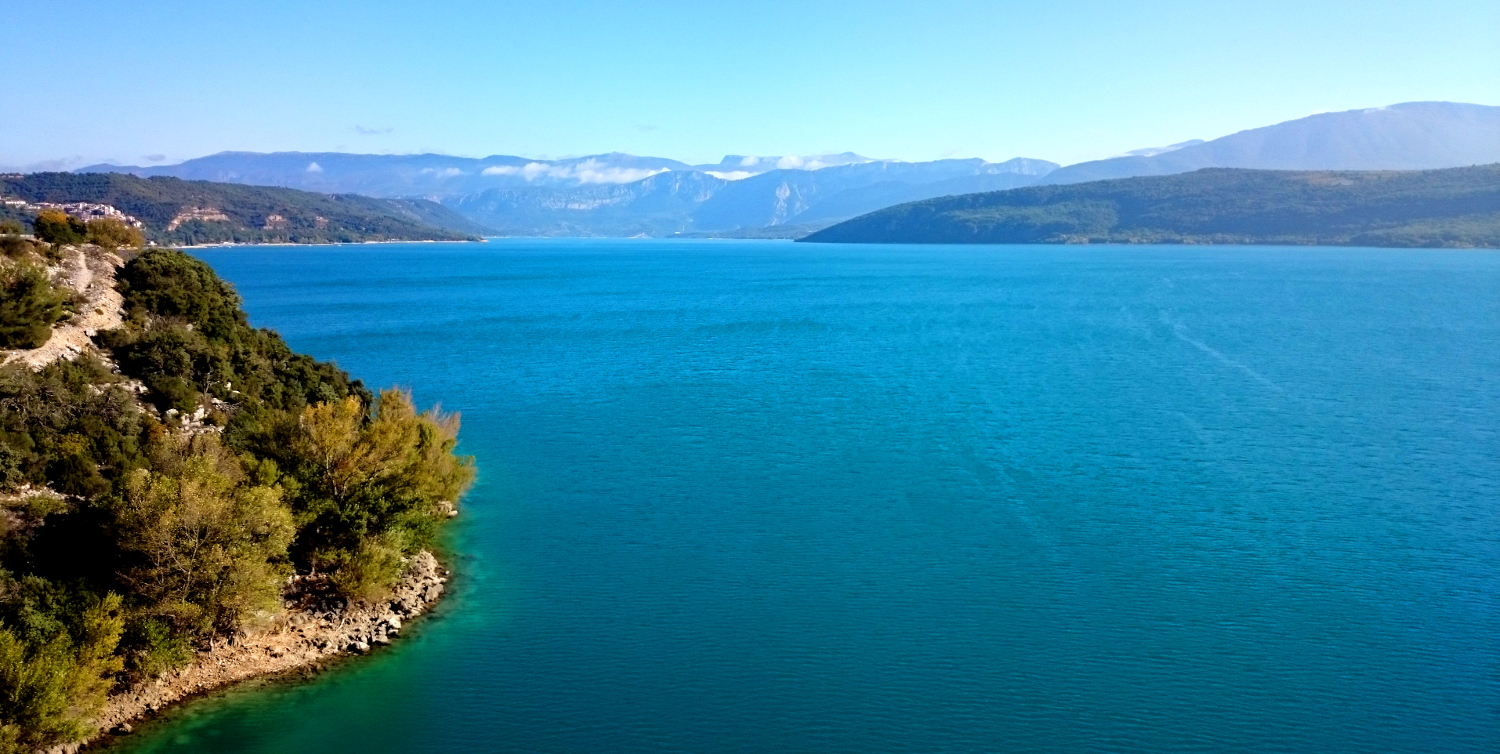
point(773, 497)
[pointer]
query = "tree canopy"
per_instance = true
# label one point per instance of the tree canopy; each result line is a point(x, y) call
point(150, 537)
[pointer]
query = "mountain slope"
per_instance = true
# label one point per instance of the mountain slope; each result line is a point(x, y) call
point(699, 202)
point(445, 176)
point(659, 205)
point(1456, 207)
point(1408, 136)
point(428, 175)
point(795, 197)
point(174, 211)
point(614, 194)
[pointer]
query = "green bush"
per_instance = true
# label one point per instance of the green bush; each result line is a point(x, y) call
point(168, 283)
point(113, 234)
point(58, 227)
point(29, 305)
point(206, 551)
point(53, 685)
point(153, 648)
point(196, 534)
point(70, 417)
point(187, 335)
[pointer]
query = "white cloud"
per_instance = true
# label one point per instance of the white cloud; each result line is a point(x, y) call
point(794, 162)
point(444, 173)
point(746, 162)
point(588, 171)
point(313, 167)
point(592, 171)
point(733, 175)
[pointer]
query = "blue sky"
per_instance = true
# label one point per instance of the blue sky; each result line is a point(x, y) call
point(1066, 80)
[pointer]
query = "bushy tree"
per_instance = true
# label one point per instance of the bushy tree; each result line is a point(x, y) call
point(376, 487)
point(208, 550)
point(113, 234)
point(11, 227)
point(69, 425)
point(57, 226)
point(29, 305)
point(187, 337)
point(169, 283)
point(50, 689)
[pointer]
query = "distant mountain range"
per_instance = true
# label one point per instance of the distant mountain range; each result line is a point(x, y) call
point(693, 201)
point(1454, 207)
point(617, 194)
point(1410, 136)
point(437, 177)
point(178, 212)
point(623, 195)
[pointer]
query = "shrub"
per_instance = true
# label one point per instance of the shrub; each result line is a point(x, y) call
point(209, 552)
point(11, 475)
point(69, 418)
point(152, 648)
point(374, 487)
point(197, 533)
point(29, 304)
point(11, 227)
point(368, 570)
point(50, 688)
point(112, 234)
point(169, 283)
point(58, 227)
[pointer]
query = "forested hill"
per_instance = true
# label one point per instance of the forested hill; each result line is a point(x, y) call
point(1456, 207)
point(174, 211)
point(184, 479)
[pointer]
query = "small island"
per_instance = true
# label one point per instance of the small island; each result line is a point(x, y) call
point(184, 501)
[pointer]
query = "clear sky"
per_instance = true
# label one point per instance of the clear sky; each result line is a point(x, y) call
point(1065, 80)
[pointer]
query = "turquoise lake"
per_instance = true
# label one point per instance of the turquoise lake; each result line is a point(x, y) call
point(774, 497)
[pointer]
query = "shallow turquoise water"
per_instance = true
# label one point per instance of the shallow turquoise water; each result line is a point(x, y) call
point(758, 497)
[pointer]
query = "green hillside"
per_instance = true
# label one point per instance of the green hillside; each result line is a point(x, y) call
point(178, 212)
point(1453, 208)
point(157, 498)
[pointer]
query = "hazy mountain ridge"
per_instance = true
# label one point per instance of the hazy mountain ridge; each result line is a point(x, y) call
point(659, 205)
point(1408, 136)
point(1453, 207)
point(621, 194)
point(692, 201)
point(444, 176)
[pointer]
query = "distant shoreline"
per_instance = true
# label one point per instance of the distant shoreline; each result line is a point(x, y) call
point(232, 244)
point(487, 239)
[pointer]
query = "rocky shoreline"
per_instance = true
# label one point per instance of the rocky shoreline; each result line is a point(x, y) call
point(310, 631)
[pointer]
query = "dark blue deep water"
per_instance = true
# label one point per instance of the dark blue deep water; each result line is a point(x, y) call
point(773, 497)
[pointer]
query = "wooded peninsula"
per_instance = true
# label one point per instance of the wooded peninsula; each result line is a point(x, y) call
point(1449, 208)
point(181, 479)
point(174, 212)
